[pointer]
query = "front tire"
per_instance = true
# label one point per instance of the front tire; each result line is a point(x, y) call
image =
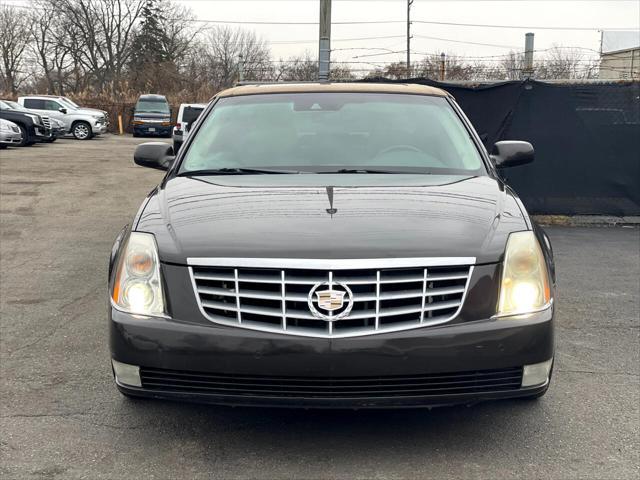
point(81, 131)
point(26, 139)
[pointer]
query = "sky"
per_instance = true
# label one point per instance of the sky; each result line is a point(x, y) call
point(287, 40)
point(579, 23)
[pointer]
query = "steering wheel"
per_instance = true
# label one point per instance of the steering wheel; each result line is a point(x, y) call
point(435, 162)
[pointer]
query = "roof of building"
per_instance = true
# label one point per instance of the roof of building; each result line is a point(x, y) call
point(258, 88)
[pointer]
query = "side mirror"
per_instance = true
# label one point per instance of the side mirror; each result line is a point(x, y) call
point(62, 110)
point(511, 153)
point(156, 155)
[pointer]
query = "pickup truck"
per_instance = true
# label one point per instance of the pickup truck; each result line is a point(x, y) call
point(82, 123)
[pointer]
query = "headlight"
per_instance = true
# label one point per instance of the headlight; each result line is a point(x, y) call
point(97, 117)
point(525, 281)
point(136, 287)
point(36, 119)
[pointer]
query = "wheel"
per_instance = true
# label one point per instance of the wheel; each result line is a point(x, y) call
point(2, 146)
point(26, 139)
point(81, 131)
point(135, 134)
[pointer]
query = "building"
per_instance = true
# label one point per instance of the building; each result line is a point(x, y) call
point(620, 65)
point(620, 55)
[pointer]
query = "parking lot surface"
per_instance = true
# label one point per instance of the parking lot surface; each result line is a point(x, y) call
point(61, 206)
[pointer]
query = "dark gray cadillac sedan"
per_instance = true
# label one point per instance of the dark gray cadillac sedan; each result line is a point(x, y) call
point(332, 245)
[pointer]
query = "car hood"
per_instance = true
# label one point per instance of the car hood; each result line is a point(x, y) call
point(331, 216)
point(94, 111)
point(86, 111)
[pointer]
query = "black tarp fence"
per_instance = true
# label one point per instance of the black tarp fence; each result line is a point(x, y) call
point(586, 137)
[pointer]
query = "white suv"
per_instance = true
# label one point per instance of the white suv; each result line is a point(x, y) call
point(187, 114)
point(82, 123)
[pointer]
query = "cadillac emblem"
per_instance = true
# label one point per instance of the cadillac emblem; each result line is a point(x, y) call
point(330, 302)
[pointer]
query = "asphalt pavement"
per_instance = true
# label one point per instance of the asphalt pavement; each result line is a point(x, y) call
point(61, 206)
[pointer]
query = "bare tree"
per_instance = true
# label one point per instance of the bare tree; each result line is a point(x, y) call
point(13, 47)
point(513, 65)
point(100, 37)
point(303, 68)
point(565, 63)
point(227, 51)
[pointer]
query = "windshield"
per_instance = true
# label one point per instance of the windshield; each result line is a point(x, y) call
point(66, 103)
point(70, 102)
point(152, 106)
point(332, 132)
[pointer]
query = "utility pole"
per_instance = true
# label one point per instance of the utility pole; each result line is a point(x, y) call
point(443, 59)
point(324, 55)
point(409, 3)
point(528, 55)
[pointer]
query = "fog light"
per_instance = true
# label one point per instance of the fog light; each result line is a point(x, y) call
point(536, 374)
point(127, 374)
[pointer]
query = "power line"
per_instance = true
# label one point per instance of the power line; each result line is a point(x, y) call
point(466, 42)
point(376, 22)
point(525, 27)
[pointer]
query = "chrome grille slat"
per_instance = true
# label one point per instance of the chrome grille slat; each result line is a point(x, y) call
point(385, 299)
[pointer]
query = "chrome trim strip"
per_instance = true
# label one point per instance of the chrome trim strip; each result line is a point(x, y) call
point(330, 264)
point(546, 306)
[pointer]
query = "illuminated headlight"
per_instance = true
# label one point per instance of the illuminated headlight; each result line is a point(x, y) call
point(525, 281)
point(137, 287)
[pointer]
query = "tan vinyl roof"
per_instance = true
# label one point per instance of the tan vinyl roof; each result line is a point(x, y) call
point(408, 88)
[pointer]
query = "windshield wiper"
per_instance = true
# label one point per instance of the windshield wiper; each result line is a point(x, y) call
point(236, 171)
point(360, 170)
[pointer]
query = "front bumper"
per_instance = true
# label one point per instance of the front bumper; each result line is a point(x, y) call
point(223, 365)
point(99, 128)
point(10, 137)
point(152, 129)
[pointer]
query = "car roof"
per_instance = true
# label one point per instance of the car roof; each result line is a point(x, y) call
point(152, 96)
point(41, 95)
point(401, 88)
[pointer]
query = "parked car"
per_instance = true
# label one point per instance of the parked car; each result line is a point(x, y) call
point(81, 123)
point(32, 128)
point(68, 101)
point(10, 134)
point(187, 114)
point(152, 116)
point(55, 128)
point(332, 245)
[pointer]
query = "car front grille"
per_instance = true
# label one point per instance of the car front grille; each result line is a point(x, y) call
point(284, 300)
point(434, 384)
point(46, 122)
